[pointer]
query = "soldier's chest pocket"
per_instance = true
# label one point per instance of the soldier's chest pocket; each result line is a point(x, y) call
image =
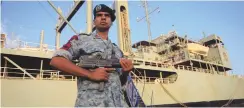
point(92, 47)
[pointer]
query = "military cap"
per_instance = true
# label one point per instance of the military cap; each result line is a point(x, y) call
point(104, 8)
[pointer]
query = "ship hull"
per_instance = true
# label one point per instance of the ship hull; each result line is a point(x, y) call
point(190, 89)
point(194, 89)
point(219, 103)
point(37, 93)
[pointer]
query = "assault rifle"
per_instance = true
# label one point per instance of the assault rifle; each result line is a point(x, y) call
point(93, 63)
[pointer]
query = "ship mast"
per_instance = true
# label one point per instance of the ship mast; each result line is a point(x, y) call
point(123, 26)
point(144, 4)
point(148, 21)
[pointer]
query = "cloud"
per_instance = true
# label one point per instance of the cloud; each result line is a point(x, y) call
point(15, 43)
point(3, 29)
point(12, 41)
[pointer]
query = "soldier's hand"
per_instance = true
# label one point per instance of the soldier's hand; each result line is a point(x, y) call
point(99, 74)
point(126, 65)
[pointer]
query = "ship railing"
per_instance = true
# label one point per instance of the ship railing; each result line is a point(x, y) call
point(195, 69)
point(152, 63)
point(236, 76)
point(32, 46)
point(37, 73)
point(189, 68)
point(153, 80)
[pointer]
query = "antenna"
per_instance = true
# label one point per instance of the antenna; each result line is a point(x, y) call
point(144, 4)
point(173, 26)
point(204, 35)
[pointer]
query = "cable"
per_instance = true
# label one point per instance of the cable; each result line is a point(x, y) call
point(144, 82)
point(172, 95)
point(52, 17)
point(166, 92)
point(232, 96)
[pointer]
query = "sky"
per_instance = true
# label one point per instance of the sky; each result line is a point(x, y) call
point(24, 20)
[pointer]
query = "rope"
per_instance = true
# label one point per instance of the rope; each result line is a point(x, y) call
point(53, 18)
point(182, 104)
point(165, 91)
point(232, 96)
point(144, 83)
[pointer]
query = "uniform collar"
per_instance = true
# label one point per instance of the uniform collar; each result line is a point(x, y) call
point(96, 36)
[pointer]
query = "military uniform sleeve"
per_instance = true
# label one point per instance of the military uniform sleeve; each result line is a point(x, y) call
point(70, 50)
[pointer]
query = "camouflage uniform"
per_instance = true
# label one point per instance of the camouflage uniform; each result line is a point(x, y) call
point(88, 94)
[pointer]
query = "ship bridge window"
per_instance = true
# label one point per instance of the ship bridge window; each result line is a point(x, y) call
point(139, 50)
point(213, 42)
point(146, 49)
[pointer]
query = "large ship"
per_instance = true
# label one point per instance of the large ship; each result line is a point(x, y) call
point(172, 70)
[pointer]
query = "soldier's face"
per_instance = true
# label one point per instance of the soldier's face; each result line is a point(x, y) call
point(102, 20)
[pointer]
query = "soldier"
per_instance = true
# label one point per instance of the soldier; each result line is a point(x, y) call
point(88, 80)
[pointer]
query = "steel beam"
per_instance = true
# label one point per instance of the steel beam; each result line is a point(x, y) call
point(75, 8)
point(19, 67)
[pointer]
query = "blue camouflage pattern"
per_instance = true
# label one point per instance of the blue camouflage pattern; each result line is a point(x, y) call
point(88, 94)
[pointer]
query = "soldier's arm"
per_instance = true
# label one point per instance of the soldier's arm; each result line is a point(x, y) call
point(63, 56)
point(66, 65)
